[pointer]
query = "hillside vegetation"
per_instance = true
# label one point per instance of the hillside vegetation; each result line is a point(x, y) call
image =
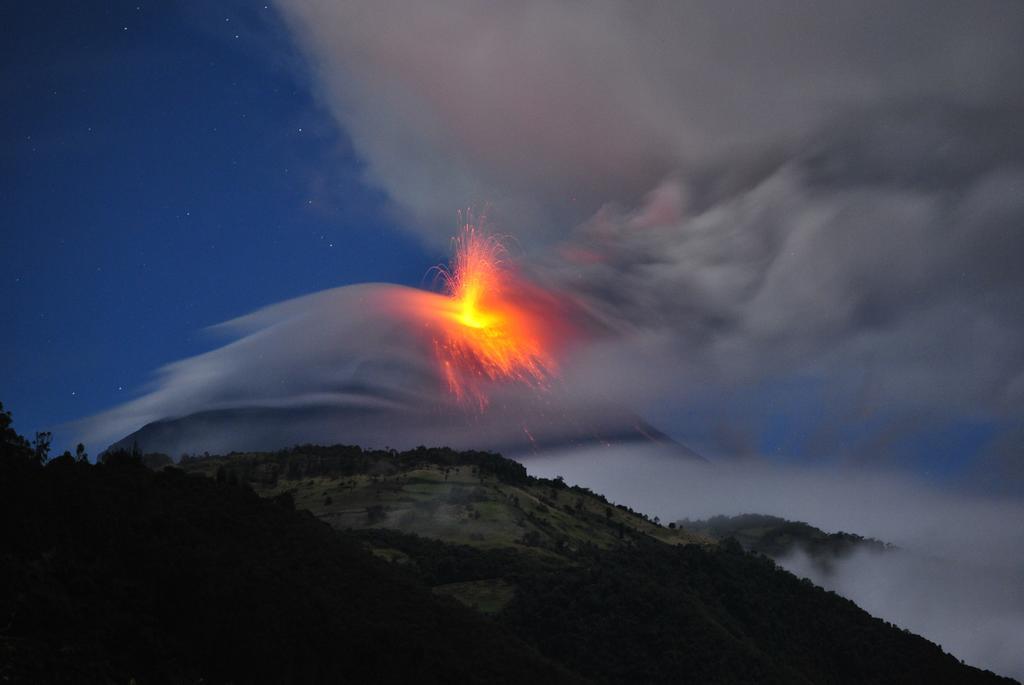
point(598, 587)
point(115, 572)
point(778, 538)
point(473, 498)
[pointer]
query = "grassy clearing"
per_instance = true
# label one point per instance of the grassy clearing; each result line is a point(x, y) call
point(459, 503)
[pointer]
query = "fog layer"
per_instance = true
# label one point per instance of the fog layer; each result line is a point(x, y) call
point(955, 579)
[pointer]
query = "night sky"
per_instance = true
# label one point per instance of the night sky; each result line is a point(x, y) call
point(165, 168)
point(798, 230)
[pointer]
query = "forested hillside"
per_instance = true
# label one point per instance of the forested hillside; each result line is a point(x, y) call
point(115, 572)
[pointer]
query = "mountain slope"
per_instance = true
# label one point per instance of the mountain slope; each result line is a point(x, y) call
point(511, 429)
point(113, 573)
point(597, 588)
point(474, 498)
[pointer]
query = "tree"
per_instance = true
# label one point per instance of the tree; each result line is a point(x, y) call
point(80, 454)
point(10, 441)
point(64, 459)
point(41, 446)
point(155, 461)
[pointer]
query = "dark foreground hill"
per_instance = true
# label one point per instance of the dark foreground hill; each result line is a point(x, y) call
point(115, 572)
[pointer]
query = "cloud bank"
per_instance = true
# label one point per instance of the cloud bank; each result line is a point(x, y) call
point(955, 578)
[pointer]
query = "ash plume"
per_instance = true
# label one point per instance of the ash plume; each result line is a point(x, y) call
point(747, 197)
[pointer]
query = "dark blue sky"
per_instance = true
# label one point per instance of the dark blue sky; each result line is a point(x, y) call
point(168, 166)
point(163, 171)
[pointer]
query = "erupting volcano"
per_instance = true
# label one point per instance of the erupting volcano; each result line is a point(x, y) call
point(488, 332)
point(479, 361)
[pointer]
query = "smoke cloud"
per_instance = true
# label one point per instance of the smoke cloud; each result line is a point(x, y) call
point(766, 210)
point(746, 196)
point(539, 105)
point(347, 347)
point(903, 301)
point(353, 365)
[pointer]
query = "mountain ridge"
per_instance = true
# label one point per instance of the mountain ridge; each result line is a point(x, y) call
point(115, 572)
point(512, 430)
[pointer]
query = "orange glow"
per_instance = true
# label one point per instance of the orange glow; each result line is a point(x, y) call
point(487, 333)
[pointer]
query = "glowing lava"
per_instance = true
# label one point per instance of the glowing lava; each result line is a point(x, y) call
point(490, 331)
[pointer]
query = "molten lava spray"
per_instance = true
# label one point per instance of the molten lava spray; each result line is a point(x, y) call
point(490, 332)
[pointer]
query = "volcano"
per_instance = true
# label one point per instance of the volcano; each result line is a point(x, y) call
point(251, 429)
point(475, 366)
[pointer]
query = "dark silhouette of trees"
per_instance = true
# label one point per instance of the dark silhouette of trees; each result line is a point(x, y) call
point(10, 441)
point(116, 572)
point(41, 446)
point(113, 573)
point(156, 460)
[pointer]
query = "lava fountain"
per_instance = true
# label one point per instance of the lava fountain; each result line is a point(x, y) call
point(494, 326)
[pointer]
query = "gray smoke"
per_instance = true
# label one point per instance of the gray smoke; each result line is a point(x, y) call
point(352, 365)
point(544, 107)
point(741, 193)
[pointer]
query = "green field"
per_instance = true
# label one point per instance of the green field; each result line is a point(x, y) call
point(459, 503)
point(444, 497)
